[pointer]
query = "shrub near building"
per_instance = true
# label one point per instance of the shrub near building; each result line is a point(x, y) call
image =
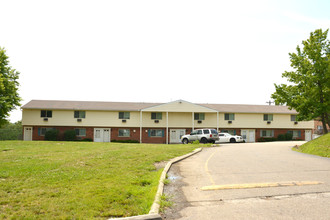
point(51, 135)
point(70, 135)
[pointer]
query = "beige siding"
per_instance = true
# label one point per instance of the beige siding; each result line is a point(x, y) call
point(179, 106)
point(257, 121)
point(209, 122)
point(148, 122)
point(180, 120)
point(93, 118)
point(176, 120)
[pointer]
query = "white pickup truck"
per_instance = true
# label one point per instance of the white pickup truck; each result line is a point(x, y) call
point(228, 138)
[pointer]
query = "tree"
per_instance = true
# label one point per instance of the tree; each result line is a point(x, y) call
point(11, 131)
point(309, 89)
point(9, 97)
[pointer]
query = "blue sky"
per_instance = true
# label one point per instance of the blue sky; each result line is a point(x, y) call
point(155, 51)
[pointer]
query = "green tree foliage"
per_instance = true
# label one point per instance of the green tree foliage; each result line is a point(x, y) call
point(9, 97)
point(11, 131)
point(309, 89)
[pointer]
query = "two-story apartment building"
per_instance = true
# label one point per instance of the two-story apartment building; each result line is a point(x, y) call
point(158, 122)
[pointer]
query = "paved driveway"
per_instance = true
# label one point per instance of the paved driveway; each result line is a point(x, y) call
point(267, 181)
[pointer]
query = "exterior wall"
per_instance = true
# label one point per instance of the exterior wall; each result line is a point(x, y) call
point(156, 140)
point(316, 125)
point(249, 120)
point(180, 119)
point(134, 134)
point(93, 118)
point(280, 131)
point(64, 120)
point(37, 137)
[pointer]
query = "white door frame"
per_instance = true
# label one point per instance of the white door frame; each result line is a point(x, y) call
point(102, 134)
point(28, 131)
point(248, 134)
point(177, 138)
point(308, 135)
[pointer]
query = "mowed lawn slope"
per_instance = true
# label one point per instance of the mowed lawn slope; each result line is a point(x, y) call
point(319, 146)
point(69, 180)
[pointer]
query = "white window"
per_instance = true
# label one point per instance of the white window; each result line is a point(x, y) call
point(199, 116)
point(267, 133)
point(79, 114)
point(156, 133)
point(81, 132)
point(229, 116)
point(46, 113)
point(295, 134)
point(293, 117)
point(124, 115)
point(268, 117)
point(156, 115)
point(124, 133)
point(42, 131)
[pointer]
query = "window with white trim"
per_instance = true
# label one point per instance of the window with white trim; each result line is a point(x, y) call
point(295, 134)
point(199, 116)
point(79, 114)
point(156, 133)
point(42, 131)
point(124, 115)
point(80, 132)
point(156, 116)
point(229, 116)
point(46, 113)
point(268, 117)
point(267, 133)
point(124, 133)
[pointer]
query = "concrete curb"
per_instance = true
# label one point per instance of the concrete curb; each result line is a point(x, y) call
point(154, 211)
point(155, 206)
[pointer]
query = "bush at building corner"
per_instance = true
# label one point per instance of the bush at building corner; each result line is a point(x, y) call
point(288, 136)
point(51, 135)
point(70, 135)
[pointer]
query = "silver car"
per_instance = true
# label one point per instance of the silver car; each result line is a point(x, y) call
point(205, 135)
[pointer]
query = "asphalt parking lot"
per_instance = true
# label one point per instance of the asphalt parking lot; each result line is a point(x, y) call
point(250, 181)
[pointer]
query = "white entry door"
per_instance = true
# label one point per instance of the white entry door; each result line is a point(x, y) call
point(28, 133)
point(176, 134)
point(308, 135)
point(101, 134)
point(248, 135)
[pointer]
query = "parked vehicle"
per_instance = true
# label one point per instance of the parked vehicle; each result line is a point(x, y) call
point(204, 135)
point(226, 137)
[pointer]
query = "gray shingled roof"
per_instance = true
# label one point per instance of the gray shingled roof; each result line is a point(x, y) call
point(87, 105)
point(237, 108)
point(137, 106)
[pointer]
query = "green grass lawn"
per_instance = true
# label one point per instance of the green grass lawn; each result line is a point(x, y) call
point(74, 180)
point(319, 146)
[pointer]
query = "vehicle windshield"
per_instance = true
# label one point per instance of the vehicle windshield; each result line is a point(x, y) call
point(214, 131)
point(193, 132)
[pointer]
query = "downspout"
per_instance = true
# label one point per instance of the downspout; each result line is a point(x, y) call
point(166, 127)
point(193, 121)
point(217, 121)
point(141, 127)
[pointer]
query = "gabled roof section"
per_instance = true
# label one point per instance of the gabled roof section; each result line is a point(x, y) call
point(87, 105)
point(179, 106)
